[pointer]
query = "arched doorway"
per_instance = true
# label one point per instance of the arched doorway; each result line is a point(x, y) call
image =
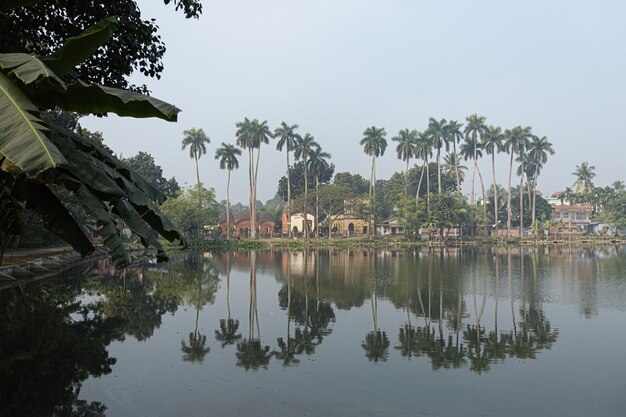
point(351, 229)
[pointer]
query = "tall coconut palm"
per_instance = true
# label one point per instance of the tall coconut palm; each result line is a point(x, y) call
point(584, 174)
point(492, 141)
point(538, 153)
point(318, 164)
point(374, 144)
point(423, 150)
point(305, 146)
point(406, 150)
point(227, 155)
point(196, 140)
point(437, 131)
point(455, 135)
point(474, 130)
point(250, 135)
point(515, 143)
point(287, 138)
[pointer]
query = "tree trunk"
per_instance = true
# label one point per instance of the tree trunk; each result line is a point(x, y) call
point(195, 156)
point(252, 209)
point(406, 176)
point(472, 195)
point(228, 206)
point(419, 186)
point(427, 188)
point(288, 197)
point(508, 209)
point(372, 230)
point(456, 167)
point(317, 208)
point(439, 170)
point(521, 203)
point(495, 190)
point(482, 189)
point(306, 200)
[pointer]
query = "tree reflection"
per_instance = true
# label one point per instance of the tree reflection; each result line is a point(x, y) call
point(227, 334)
point(49, 344)
point(376, 343)
point(251, 354)
point(311, 315)
point(203, 283)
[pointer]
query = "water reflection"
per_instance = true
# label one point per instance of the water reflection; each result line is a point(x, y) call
point(469, 309)
point(227, 333)
point(251, 353)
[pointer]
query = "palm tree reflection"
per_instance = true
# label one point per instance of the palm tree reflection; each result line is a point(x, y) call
point(251, 354)
point(227, 334)
point(204, 280)
point(376, 343)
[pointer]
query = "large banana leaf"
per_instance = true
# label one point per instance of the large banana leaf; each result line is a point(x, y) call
point(23, 139)
point(77, 49)
point(111, 185)
point(106, 224)
point(94, 98)
point(29, 69)
point(102, 153)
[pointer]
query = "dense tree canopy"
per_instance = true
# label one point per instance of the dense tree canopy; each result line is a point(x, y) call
point(143, 163)
point(136, 44)
point(296, 172)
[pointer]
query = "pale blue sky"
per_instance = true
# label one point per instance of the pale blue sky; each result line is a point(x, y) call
point(337, 67)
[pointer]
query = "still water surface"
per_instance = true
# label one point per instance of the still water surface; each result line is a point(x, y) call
point(472, 332)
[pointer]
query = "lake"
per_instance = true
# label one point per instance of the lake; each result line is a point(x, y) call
point(336, 332)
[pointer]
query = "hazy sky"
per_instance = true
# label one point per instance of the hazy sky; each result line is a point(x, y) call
point(337, 67)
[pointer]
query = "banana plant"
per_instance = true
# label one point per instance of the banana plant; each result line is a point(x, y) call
point(36, 156)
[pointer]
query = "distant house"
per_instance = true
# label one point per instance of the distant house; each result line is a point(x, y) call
point(352, 222)
point(240, 222)
point(573, 219)
point(389, 228)
point(297, 222)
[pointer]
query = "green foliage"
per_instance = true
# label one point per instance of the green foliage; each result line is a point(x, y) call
point(136, 45)
point(187, 214)
point(144, 165)
point(354, 182)
point(40, 154)
point(296, 172)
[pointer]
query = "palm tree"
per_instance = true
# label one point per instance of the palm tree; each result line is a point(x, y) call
point(515, 142)
point(406, 150)
point(305, 146)
point(452, 165)
point(287, 138)
point(227, 155)
point(538, 153)
point(618, 186)
point(437, 131)
point(423, 150)
point(492, 141)
point(474, 128)
point(374, 144)
point(455, 135)
point(584, 174)
point(318, 164)
point(197, 140)
point(250, 135)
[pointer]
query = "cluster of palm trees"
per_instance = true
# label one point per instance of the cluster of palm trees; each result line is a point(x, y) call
point(474, 137)
point(250, 135)
point(440, 138)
